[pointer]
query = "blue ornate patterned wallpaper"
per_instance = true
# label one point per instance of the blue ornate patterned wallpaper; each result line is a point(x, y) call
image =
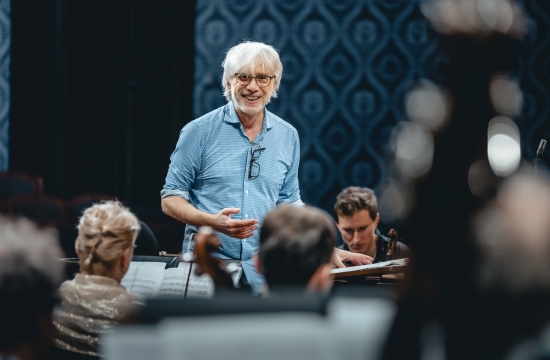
point(5, 42)
point(347, 66)
point(532, 68)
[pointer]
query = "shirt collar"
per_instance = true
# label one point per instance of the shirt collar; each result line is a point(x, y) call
point(232, 117)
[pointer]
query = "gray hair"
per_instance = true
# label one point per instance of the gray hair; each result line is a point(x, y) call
point(30, 274)
point(245, 58)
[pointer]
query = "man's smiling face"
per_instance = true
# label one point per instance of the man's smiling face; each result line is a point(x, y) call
point(251, 99)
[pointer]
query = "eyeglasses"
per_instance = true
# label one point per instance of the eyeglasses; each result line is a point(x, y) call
point(261, 80)
point(254, 169)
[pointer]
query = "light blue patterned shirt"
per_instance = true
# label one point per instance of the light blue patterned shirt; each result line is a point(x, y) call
point(210, 166)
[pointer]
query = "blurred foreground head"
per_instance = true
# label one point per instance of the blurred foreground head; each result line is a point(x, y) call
point(514, 235)
point(30, 274)
point(296, 245)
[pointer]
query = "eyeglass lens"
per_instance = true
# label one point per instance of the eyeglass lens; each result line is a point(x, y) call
point(254, 169)
point(261, 80)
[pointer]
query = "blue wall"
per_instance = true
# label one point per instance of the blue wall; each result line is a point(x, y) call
point(347, 66)
point(5, 43)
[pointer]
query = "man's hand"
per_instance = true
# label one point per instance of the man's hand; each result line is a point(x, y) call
point(182, 210)
point(240, 229)
point(339, 256)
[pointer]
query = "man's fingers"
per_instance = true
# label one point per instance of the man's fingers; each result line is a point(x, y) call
point(242, 224)
point(241, 232)
point(355, 258)
point(230, 211)
point(336, 260)
point(362, 262)
point(246, 236)
point(366, 261)
point(359, 259)
point(241, 235)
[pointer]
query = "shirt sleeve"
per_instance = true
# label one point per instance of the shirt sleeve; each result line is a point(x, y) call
point(290, 191)
point(184, 163)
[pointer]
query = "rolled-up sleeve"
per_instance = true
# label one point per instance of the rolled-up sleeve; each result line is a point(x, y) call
point(167, 192)
point(184, 163)
point(290, 190)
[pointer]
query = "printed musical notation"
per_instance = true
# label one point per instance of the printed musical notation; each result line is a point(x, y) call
point(137, 286)
point(145, 281)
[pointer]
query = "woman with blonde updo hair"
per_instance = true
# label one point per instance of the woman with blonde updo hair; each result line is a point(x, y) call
point(95, 300)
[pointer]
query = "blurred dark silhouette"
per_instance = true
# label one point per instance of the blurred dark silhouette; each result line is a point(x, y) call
point(14, 184)
point(46, 211)
point(442, 303)
point(146, 242)
point(77, 205)
point(30, 275)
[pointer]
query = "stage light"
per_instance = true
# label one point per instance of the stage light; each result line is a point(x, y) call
point(503, 146)
point(481, 179)
point(427, 105)
point(506, 95)
point(497, 14)
point(394, 201)
point(413, 147)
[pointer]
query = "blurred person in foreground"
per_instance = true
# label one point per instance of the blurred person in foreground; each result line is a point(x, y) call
point(95, 300)
point(296, 247)
point(512, 234)
point(356, 213)
point(30, 273)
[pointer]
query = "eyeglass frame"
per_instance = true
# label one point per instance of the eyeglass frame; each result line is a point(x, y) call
point(253, 159)
point(255, 78)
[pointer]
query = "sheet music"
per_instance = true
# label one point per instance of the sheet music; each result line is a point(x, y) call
point(199, 286)
point(130, 275)
point(150, 279)
point(173, 284)
point(157, 264)
point(147, 282)
point(397, 262)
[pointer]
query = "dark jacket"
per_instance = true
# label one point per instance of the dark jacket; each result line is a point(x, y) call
point(399, 252)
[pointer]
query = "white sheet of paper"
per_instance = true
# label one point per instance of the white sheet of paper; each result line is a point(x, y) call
point(173, 284)
point(199, 286)
point(130, 275)
point(150, 279)
point(147, 281)
point(143, 279)
point(157, 264)
point(397, 262)
point(235, 271)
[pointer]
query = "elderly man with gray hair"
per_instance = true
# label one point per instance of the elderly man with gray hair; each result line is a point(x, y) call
point(30, 274)
point(236, 163)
